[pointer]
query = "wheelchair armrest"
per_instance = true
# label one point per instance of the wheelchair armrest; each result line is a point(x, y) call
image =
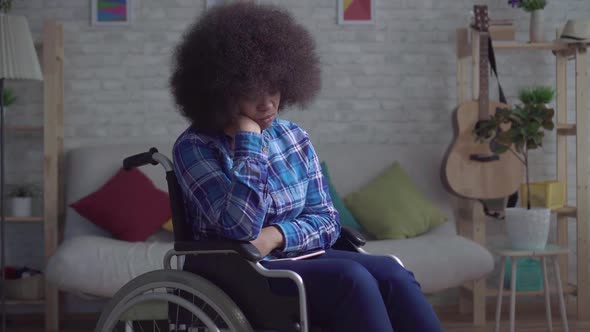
point(352, 235)
point(244, 249)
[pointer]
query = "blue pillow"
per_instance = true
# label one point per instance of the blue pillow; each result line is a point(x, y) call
point(346, 218)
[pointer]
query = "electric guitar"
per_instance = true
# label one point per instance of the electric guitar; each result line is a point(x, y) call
point(472, 169)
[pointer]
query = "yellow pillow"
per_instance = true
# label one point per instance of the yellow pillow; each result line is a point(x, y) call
point(168, 225)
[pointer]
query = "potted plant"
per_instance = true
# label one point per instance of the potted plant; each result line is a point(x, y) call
point(5, 6)
point(534, 7)
point(519, 130)
point(8, 97)
point(21, 200)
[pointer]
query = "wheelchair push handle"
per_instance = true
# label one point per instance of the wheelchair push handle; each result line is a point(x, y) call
point(140, 159)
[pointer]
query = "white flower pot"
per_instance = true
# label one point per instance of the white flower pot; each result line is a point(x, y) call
point(528, 229)
point(536, 27)
point(22, 206)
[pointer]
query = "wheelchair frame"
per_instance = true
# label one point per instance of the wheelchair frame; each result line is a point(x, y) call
point(277, 313)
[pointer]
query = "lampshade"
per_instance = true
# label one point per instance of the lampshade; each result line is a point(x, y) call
point(18, 59)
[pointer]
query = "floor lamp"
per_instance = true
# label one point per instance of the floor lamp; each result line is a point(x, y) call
point(18, 60)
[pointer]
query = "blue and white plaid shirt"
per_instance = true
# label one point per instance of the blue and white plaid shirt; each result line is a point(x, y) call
point(273, 178)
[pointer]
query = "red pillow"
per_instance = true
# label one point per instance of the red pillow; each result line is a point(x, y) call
point(128, 205)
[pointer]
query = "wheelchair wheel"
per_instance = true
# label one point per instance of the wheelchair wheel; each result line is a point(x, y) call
point(171, 300)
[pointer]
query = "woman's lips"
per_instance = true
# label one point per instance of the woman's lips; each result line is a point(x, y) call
point(268, 118)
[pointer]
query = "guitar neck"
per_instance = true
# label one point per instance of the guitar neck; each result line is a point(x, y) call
point(484, 98)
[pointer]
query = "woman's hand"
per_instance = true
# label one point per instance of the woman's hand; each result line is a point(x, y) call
point(269, 239)
point(244, 123)
point(247, 124)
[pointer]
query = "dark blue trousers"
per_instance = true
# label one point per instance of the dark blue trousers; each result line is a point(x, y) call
point(349, 291)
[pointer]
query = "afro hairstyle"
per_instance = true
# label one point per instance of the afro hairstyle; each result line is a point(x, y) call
point(240, 50)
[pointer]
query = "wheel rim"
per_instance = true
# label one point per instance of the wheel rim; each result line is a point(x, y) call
point(212, 311)
point(123, 307)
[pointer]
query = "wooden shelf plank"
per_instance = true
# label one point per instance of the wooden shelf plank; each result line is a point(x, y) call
point(24, 302)
point(567, 211)
point(566, 129)
point(493, 292)
point(24, 128)
point(550, 250)
point(23, 219)
point(555, 46)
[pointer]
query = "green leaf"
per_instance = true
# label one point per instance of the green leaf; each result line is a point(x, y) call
point(8, 97)
point(533, 128)
point(549, 113)
point(537, 95)
point(532, 146)
point(526, 122)
point(501, 148)
point(504, 139)
point(548, 125)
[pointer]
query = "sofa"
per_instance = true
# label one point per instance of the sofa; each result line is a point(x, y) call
point(90, 263)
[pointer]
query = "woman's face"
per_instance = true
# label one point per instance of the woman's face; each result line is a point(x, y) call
point(262, 108)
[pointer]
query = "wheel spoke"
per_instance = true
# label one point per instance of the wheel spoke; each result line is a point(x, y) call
point(210, 308)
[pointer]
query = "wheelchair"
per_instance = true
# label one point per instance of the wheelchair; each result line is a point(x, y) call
point(230, 291)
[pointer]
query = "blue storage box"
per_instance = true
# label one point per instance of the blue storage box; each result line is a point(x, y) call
point(529, 275)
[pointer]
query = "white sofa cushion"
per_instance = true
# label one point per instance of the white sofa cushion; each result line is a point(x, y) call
point(438, 261)
point(99, 266)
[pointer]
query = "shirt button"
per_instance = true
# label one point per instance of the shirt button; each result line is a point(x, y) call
point(265, 149)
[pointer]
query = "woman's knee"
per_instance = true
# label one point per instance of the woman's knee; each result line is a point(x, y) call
point(394, 274)
point(347, 276)
point(350, 271)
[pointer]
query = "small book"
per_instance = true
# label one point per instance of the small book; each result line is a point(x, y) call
point(502, 22)
point(311, 254)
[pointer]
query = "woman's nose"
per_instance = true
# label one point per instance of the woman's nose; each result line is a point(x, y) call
point(266, 104)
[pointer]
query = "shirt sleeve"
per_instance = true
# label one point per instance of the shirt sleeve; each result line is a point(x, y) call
point(236, 203)
point(318, 225)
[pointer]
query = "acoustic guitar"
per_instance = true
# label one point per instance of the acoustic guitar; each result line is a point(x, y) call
point(472, 169)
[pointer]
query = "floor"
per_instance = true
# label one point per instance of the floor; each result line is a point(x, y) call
point(529, 323)
point(532, 320)
point(456, 324)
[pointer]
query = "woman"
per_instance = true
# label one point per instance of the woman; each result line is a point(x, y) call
point(248, 175)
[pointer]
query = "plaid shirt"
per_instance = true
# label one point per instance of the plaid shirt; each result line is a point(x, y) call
point(273, 178)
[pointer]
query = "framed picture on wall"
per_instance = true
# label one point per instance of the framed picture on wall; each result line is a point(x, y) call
point(356, 11)
point(111, 12)
point(212, 3)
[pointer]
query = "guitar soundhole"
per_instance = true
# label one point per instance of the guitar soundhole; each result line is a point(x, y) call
point(484, 158)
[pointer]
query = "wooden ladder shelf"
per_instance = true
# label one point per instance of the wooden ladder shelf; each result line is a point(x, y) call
point(471, 219)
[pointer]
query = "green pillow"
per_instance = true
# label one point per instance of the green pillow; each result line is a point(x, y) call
point(346, 218)
point(390, 206)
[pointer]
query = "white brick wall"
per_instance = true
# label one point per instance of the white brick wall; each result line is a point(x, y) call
point(393, 82)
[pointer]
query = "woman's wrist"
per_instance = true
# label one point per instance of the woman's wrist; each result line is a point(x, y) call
point(269, 239)
point(277, 237)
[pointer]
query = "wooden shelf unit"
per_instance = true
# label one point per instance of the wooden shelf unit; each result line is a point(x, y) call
point(52, 63)
point(53, 138)
point(470, 216)
point(10, 219)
